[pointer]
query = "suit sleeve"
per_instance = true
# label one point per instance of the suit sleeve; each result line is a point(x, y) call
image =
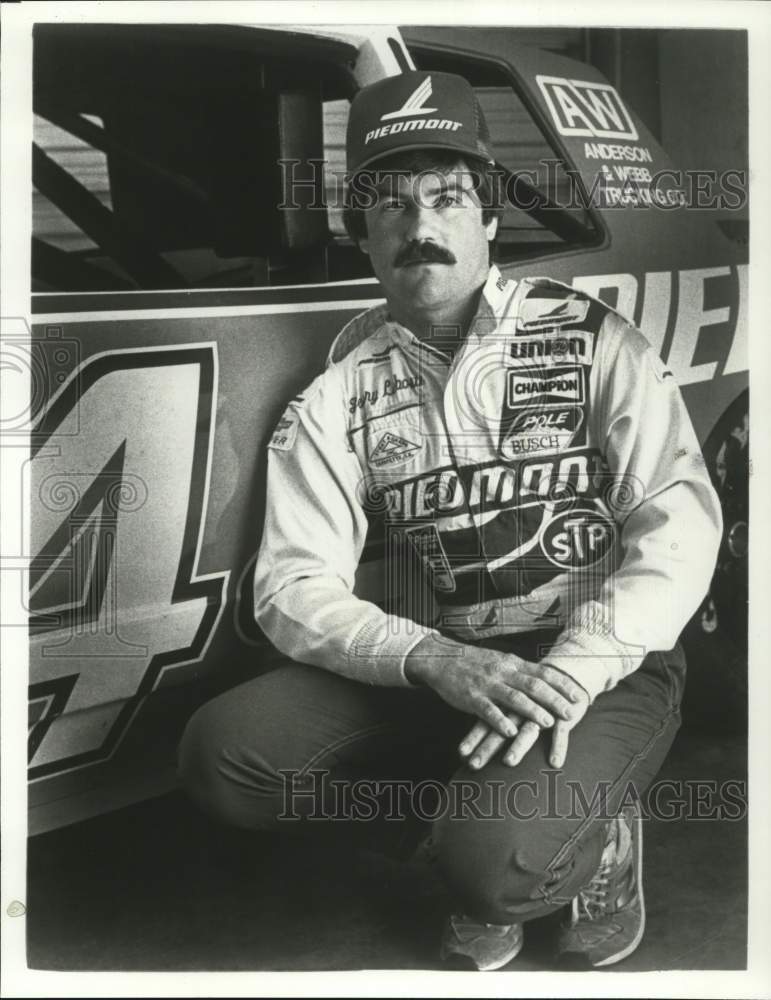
point(667, 514)
point(315, 528)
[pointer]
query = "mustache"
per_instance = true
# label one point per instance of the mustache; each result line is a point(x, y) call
point(424, 252)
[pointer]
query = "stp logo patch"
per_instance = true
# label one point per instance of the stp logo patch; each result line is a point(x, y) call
point(577, 539)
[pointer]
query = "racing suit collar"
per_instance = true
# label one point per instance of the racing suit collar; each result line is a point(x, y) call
point(496, 292)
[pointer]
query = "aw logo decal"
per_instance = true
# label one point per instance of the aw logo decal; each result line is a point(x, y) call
point(414, 105)
point(118, 486)
point(591, 110)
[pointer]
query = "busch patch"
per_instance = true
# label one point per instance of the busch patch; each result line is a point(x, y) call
point(571, 348)
point(534, 431)
point(527, 388)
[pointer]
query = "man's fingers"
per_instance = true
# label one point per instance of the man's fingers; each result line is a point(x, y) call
point(494, 717)
point(473, 739)
point(541, 692)
point(523, 741)
point(563, 682)
point(559, 744)
point(516, 699)
point(486, 750)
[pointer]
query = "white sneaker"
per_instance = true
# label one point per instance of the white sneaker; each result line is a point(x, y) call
point(483, 946)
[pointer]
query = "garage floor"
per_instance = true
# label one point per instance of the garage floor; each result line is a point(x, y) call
point(159, 887)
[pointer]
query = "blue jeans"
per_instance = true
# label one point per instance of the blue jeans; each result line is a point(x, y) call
point(281, 752)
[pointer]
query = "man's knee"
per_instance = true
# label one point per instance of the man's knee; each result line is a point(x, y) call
point(502, 871)
point(227, 779)
point(483, 873)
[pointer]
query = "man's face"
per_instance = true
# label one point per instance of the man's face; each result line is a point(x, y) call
point(426, 239)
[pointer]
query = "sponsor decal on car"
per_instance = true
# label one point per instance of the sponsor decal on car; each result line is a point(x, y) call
point(614, 151)
point(544, 387)
point(692, 301)
point(110, 497)
point(573, 347)
point(581, 108)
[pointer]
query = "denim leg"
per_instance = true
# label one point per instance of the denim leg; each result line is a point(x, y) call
point(546, 829)
point(265, 754)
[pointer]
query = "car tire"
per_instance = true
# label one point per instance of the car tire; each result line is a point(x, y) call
point(716, 640)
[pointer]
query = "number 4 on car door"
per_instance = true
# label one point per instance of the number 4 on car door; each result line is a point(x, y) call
point(119, 482)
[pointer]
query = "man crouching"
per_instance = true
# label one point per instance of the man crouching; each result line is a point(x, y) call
point(525, 446)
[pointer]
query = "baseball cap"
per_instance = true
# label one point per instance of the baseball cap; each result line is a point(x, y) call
point(416, 110)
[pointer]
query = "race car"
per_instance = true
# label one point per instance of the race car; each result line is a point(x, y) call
point(190, 271)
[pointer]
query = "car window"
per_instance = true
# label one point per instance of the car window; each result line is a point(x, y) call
point(520, 145)
point(155, 158)
point(158, 152)
point(335, 123)
point(76, 157)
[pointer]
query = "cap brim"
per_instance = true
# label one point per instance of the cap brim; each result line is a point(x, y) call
point(462, 150)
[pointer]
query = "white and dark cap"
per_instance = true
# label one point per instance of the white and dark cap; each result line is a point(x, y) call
point(416, 110)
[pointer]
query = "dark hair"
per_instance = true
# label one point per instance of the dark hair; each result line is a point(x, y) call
point(417, 161)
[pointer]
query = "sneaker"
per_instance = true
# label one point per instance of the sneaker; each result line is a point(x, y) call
point(484, 947)
point(608, 917)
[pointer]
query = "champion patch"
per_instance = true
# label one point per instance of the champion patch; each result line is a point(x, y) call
point(392, 449)
point(546, 386)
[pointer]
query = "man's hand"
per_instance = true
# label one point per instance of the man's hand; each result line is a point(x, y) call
point(490, 684)
point(483, 743)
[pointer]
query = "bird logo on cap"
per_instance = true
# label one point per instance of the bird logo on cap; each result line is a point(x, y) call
point(414, 105)
point(393, 115)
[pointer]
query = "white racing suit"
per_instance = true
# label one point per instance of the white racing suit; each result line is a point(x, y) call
point(547, 476)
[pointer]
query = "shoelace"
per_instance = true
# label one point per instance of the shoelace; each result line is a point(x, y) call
point(592, 901)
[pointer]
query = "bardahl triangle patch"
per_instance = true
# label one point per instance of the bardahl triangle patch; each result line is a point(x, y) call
point(392, 449)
